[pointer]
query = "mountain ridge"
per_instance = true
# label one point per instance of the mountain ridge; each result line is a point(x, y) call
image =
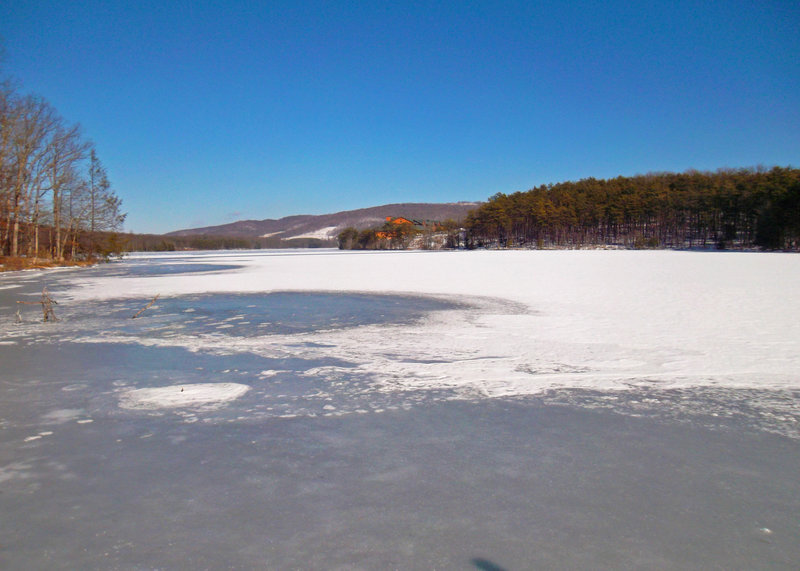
point(327, 226)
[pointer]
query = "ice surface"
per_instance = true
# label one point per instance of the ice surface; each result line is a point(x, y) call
point(326, 422)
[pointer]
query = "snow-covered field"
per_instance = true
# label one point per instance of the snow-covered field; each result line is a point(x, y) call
point(534, 320)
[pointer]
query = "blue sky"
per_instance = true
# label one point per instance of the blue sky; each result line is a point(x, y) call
point(210, 112)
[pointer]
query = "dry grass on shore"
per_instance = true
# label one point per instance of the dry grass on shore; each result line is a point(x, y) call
point(12, 264)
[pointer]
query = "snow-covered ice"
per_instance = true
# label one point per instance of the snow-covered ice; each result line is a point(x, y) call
point(282, 410)
point(536, 319)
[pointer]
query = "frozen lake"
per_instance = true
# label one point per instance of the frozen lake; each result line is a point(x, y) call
point(410, 410)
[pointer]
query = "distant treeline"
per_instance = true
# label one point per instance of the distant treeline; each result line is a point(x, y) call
point(389, 236)
point(729, 208)
point(159, 243)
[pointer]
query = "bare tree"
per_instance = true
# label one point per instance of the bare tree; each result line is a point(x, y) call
point(66, 150)
point(75, 207)
point(8, 114)
point(46, 181)
point(34, 122)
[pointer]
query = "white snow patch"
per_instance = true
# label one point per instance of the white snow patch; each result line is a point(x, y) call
point(75, 387)
point(179, 396)
point(321, 234)
point(270, 373)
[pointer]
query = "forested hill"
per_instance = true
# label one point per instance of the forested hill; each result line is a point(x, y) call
point(729, 208)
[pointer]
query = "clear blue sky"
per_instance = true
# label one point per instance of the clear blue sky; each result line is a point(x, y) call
point(210, 112)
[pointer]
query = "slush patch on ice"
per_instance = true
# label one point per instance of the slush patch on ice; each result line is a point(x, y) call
point(179, 396)
point(62, 415)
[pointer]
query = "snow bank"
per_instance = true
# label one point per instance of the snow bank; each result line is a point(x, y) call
point(594, 319)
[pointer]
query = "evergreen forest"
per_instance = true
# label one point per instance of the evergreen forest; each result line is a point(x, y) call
point(729, 208)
